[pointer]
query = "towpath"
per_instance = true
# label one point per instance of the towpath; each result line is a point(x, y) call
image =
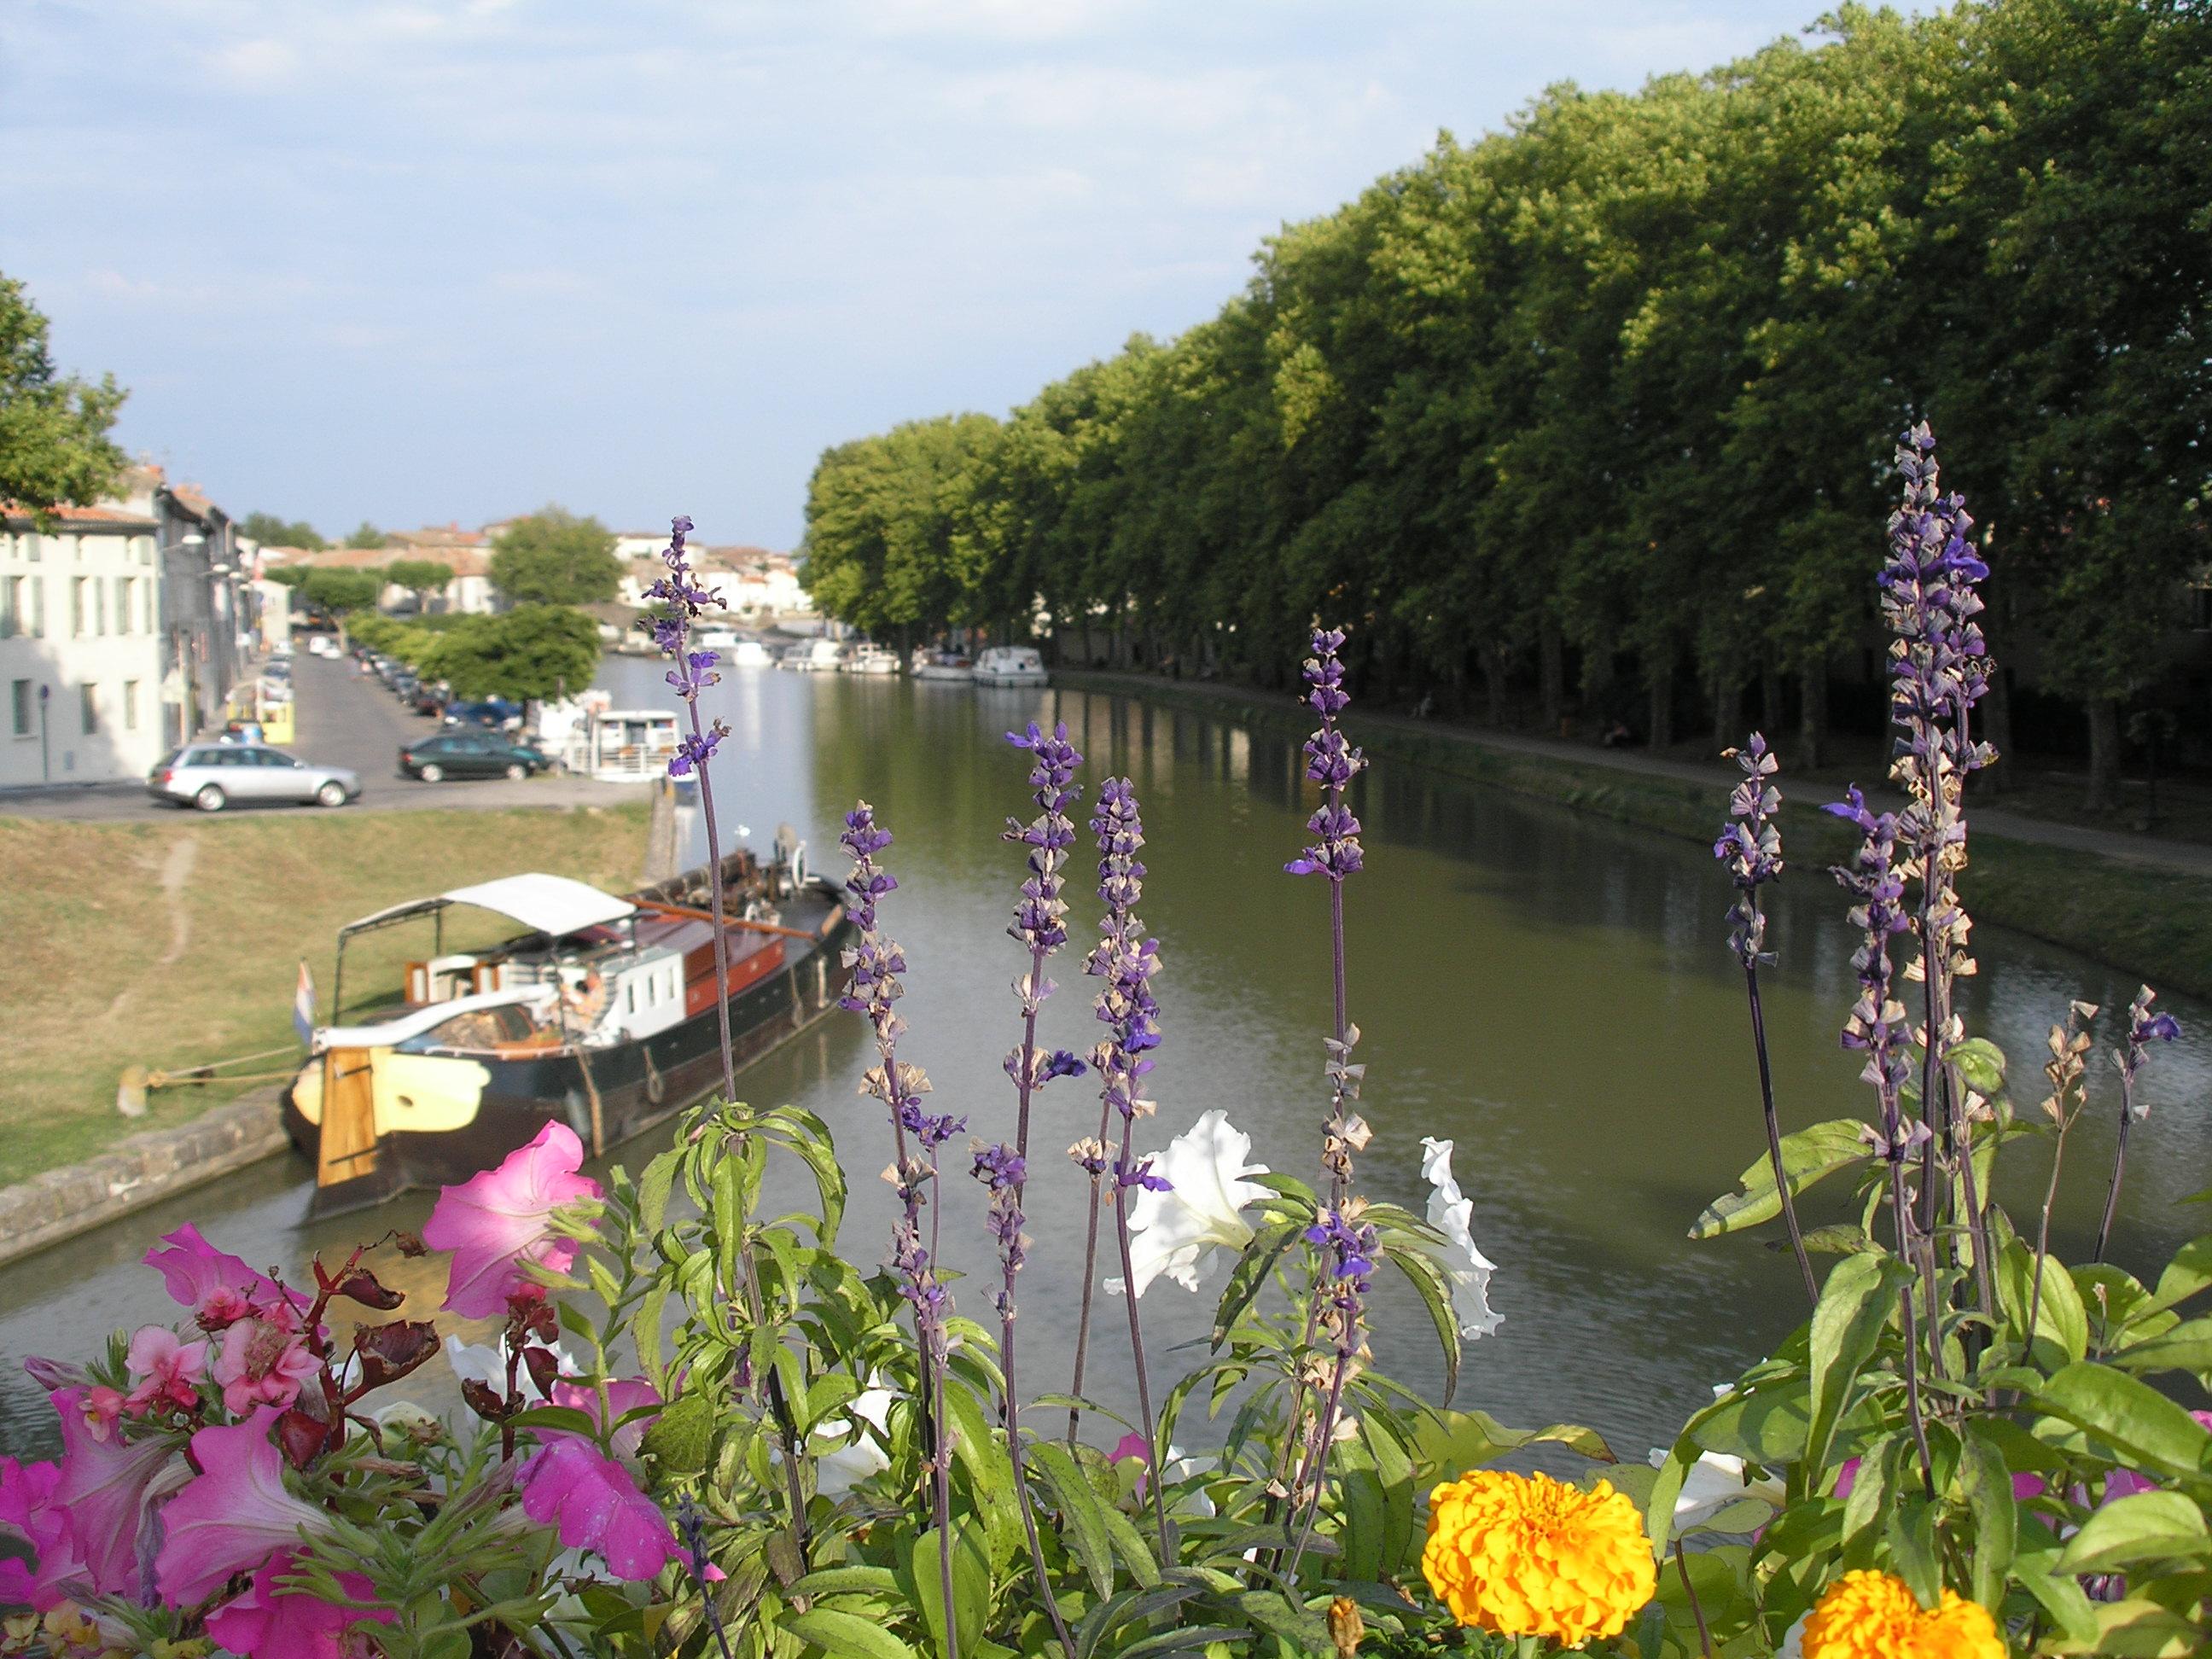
point(2189, 858)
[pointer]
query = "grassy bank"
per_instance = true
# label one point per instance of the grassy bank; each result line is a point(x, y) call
point(173, 944)
point(2154, 924)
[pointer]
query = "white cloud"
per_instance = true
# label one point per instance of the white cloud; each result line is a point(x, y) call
point(256, 65)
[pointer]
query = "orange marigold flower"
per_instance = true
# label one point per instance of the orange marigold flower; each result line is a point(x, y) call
point(1871, 1615)
point(1525, 1555)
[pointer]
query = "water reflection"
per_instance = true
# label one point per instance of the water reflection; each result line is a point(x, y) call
point(1552, 992)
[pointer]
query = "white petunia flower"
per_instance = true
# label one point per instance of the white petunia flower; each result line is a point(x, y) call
point(1177, 1232)
point(1451, 1214)
point(837, 1472)
point(1712, 1484)
point(479, 1362)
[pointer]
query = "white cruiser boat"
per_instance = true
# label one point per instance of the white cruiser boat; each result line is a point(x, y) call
point(1011, 664)
point(814, 657)
point(871, 660)
point(943, 665)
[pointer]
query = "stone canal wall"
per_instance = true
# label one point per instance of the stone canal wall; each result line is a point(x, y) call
point(143, 1169)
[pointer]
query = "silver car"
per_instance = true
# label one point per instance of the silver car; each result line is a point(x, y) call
point(211, 775)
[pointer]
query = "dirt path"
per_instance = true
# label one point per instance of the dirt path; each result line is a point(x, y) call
point(176, 871)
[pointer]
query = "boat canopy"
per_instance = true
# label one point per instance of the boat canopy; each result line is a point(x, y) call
point(547, 904)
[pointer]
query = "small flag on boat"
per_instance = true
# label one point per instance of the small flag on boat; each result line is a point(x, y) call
point(303, 1005)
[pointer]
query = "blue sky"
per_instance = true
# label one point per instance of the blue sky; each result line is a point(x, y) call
point(453, 259)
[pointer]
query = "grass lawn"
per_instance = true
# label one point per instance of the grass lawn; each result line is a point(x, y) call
point(172, 944)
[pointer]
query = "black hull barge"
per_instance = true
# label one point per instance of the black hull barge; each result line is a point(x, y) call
point(602, 1016)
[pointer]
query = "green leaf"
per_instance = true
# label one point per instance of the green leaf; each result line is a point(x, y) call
point(561, 1419)
point(2190, 1272)
point(1981, 1063)
point(682, 1435)
point(971, 1587)
point(2137, 1628)
point(654, 1188)
point(1249, 1276)
point(846, 1581)
point(2060, 1593)
point(1394, 1468)
point(2150, 1526)
point(821, 1160)
point(1854, 1306)
point(1809, 1156)
point(1448, 1444)
point(1131, 1546)
point(645, 1330)
point(2187, 1347)
point(843, 1634)
point(1082, 1516)
point(1996, 1518)
point(2132, 1416)
point(1427, 1277)
point(2060, 1320)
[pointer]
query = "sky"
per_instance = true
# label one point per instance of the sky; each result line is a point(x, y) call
point(449, 260)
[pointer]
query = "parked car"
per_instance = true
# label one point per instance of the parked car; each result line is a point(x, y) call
point(431, 699)
point(495, 713)
point(461, 753)
point(322, 645)
point(404, 684)
point(211, 775)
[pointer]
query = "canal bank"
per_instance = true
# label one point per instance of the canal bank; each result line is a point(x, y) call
point(2133, 903)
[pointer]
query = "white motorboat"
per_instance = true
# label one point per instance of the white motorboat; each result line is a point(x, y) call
point(749, 653)
point(871, 660)
point(943, 665)
point(814, 657)
point(1011, 664)
point(621, 746)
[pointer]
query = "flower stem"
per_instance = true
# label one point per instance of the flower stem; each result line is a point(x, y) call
point(2119, 1166)
point(1774, 1133)
point(1137, 1346)
point(1090, 1278)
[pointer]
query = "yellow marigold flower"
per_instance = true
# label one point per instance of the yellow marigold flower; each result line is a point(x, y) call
point(1871, 1615)
point(1525, 1555)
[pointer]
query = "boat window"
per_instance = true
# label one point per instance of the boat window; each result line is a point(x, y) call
point(474, 1031)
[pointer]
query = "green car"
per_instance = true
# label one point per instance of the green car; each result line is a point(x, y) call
point(463, 753)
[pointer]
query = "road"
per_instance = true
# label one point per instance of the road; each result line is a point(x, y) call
point(345, 718)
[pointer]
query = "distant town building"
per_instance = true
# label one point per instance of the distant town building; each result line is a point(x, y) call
point(752, 583)
point(470, 594)
point(81, 646)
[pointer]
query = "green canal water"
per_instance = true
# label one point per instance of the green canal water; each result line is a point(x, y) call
point(1553, 994)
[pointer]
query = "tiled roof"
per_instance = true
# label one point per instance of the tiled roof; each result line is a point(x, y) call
point(19, 517)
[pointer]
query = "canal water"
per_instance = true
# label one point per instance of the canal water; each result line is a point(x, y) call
point(1553, 992)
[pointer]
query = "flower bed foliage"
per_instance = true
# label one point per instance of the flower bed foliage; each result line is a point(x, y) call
point(708, 1430)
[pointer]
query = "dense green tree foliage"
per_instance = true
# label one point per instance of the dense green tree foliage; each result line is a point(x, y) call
point(54, 442)
point(337, 591)
point(271, 531)
point(532, 651)
point(421, 577)
point(553, 557)
point(366, 534)
point(1599, 409)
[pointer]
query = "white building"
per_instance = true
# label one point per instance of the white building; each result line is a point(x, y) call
point(81, 647)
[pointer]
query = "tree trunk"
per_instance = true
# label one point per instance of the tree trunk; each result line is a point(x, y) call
point(1492, 658)
point(1552, 676)
point(1662, 677)
point(1812, 715)
point(1728, 711)
point(2103, 755)
point(1769, 700)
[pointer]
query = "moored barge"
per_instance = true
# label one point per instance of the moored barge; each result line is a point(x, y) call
point(601, 1014)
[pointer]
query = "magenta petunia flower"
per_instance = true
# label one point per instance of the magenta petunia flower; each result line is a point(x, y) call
point(261, 1364)
point(106, 1483)
point(168, 1369)
point(591, 1500)
point(624, 1395)
point(31, 1514)
point(497, 1222)
point(271, 1622)
point(216, 1286)
point(232, 1518)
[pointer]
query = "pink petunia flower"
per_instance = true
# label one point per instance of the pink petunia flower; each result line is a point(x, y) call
point(232, 1517)
point(497, 1222)
point(216, 1286)
point(624, 1395)
point(593, 1503)
point(169, 1370)
point(101, 1407)
point(262, 1364)
point(107, 1485)
point(269, 1621)
point(31, 1514)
